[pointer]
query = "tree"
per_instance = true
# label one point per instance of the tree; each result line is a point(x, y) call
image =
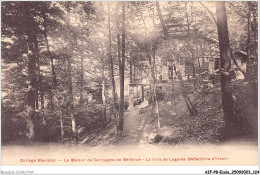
point(225, 59)
point(161, 20)
point(19, 21)
point(71, 40)
point(244, 40)
point(112, 79)
point(121, 75)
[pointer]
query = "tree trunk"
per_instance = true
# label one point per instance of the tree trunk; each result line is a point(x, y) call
point(151, 57)
point(30, 126)
point(248, 50)
point(37, 97)
point(54, 79)
point(197, 48)
point(81, 100)
point(71, 105)
point(173, 94)
point(248, 31)
point(121, 74)
point(190, 48)
point(62, 132)
point(42, 107)
point(112, 68)
point(161, 20)
point(131, 72)
point(31, 95)
point(154, 90)
point(254, 28)
point(194, 74)
point(32, 72)
point(119, 61)
point(42, 100)
point(225, 58)
point(103, 93)
point(61, 125)
point(38, 74)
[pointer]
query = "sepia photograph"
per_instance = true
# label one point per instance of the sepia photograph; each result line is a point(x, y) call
point(129, 83)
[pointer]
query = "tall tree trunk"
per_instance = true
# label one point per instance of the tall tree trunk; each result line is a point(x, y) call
point(42, 100)
point(190, 48)
point(154, 88)
point(42, 107)
point(131, 71)
point(119, 60)
point(32, 46)
point(38, 74)
point(121, 74)
point(81, 100)
point(71, 105)
point(61, 126)
point(31, 96)
point(248, 36)
point(62, 132)
point(173, 94)
point(118, 39)
point(103, 93)
point(37, 97)
point(54, 79)
point(151, 58)
point(248, 50)
point(112, 67)
point(197, 48)
point(254, 28)
point(225, 58)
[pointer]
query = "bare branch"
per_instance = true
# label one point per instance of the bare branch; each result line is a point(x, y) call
point(161, 20)
point(210, 12)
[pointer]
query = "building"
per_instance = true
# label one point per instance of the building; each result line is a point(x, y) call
point(137, 75)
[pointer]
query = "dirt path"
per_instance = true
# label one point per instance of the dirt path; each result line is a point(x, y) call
point(134, 124)
point(140, 128)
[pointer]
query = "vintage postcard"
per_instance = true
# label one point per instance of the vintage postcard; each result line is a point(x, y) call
point(129, 83)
